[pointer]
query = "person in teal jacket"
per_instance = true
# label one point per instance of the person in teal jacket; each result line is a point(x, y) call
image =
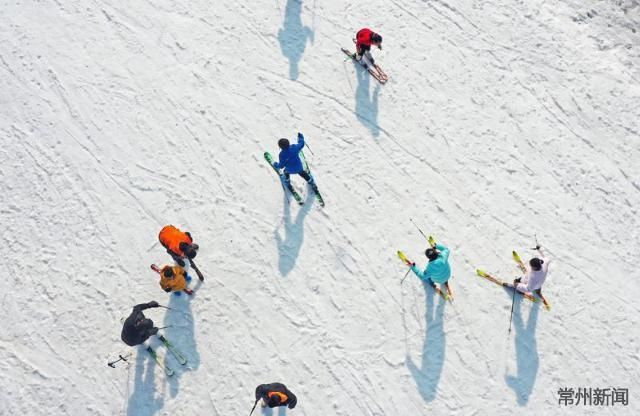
point(438, 269)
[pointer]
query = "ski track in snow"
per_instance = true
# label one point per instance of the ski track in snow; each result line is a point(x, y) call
point(502, 119)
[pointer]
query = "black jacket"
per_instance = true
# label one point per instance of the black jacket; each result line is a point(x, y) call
point(263, 390)
point(137, 328)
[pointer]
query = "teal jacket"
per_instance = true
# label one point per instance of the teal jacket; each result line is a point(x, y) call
point(438, 271)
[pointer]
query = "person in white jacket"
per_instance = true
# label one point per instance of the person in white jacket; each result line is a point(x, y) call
point(535, 275)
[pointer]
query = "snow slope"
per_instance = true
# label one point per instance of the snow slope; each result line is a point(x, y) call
point(502, 119)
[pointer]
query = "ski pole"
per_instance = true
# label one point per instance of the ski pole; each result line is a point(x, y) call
point(112, 364)
point(405, 275)
point(307, 146)
point(423, 234)
point(254, 406)
point(163, 327)
point(513, 301)
point(200, 276)
point(166, 307)
point(535, 236)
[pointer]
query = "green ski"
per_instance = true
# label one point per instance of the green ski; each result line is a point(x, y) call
point(295, 194)
point(168, 371)
point(181, 358)
point(315, 187)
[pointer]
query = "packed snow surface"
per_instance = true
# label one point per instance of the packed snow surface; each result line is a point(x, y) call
point(502, 120)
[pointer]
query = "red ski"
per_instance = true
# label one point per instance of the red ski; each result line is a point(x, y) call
point(378, 74)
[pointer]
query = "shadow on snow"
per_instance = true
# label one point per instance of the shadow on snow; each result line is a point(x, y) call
point(527, 358)
point(293, 36)
point(289, 248)
point(143, 401)
point(367, 103)
point(181, 334)
point(427, 376)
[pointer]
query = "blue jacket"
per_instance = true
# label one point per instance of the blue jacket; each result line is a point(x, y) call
point(289, 159)
point(438, 271)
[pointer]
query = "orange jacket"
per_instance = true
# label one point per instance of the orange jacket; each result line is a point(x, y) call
point(283, 397)
point(176, 283)
point(171, 237)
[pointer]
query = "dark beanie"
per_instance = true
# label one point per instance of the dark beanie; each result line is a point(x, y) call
point(536, 263)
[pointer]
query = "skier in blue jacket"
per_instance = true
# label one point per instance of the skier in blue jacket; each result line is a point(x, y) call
point(438, 269)
point(289, 160)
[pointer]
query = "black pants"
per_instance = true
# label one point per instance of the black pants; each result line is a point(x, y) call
point(305, 175)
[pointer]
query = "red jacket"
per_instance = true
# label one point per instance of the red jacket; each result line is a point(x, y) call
point(363, 37)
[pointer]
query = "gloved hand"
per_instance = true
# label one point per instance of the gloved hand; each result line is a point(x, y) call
point(168, 290)
point(153, 330)
point(153, 304)
point(538, 247)
point(373, 62)
point(517, 280)
point(300, 136)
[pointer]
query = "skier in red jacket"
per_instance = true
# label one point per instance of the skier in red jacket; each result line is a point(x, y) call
point(364, 39)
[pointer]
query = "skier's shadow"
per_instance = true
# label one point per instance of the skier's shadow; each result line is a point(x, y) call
point(427, 376)
point(293, 36)
point(143, 401)
point(181, 334)
point(526, 353)
point(289, 248)
point(366, 103)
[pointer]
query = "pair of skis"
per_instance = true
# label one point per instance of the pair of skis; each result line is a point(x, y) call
point(520, 264)
point(296, 195)
point(374, 70)
point(446, 296)
point(173, 350)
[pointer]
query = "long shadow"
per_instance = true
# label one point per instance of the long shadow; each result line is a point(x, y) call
point(142, 401)
point(293, 36)
point(180, 332)
point(427, 376)
point(289, 248)
point(527, 357)
point(367, 103)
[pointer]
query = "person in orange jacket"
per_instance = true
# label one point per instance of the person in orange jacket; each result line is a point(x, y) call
point(180, 246)
point(174, 279)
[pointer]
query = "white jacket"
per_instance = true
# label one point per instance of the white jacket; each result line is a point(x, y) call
point(535, 278)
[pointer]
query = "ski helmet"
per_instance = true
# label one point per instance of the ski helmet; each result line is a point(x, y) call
point(431, 253)
point(283, 144)
point(536, 263)
point(376, 38)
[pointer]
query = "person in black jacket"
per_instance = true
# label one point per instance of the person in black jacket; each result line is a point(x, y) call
point(275, 395)
point(137, 327)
